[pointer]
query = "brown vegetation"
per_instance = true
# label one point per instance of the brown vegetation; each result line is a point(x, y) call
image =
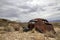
point(7, 25)
point(10, 26)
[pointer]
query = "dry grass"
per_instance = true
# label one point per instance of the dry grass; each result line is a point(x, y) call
point(21, 36)
point(56, 24)
point(24, 36)
point(17, 35)
point(57, 33)
point(28, 36)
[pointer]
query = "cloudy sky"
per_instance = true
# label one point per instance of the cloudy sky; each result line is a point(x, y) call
point(24, 10)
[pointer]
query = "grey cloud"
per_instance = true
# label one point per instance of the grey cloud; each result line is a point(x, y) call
point(57, 8)
point(9, 13)
point(52, 4)
point(21, 10)
point(23, 7)
point(55, 16)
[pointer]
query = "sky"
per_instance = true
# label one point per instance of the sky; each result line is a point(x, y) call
point(25, 10)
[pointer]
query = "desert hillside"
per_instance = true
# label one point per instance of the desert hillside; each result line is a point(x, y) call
point(8, 32)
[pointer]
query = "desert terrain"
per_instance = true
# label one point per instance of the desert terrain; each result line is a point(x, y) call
point(8, 33)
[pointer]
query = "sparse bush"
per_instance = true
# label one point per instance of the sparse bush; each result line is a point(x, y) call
point(10, 26)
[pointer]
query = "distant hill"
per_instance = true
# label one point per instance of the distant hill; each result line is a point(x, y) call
point(55, 21)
